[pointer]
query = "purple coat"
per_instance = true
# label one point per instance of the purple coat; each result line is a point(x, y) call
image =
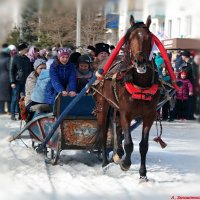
point(183, 93)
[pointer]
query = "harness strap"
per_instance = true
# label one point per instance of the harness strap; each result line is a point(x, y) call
point(114, 83)
point(153, 77)
point(141, 93)
point(110, 101)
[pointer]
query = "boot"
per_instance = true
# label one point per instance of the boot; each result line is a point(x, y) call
point(13, 117)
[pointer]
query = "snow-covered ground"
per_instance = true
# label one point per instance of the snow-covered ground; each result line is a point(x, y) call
point(171, 171)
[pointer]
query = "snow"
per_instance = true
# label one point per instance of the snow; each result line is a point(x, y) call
point(171, 171)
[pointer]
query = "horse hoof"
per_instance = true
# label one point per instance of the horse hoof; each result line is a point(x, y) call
point(116, 159)
point(124, 167)
point(143, 179)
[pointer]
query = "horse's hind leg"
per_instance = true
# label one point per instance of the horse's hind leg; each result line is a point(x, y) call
point(128, 144)
point(102, 120)
point(144, 144)
point(118, 151)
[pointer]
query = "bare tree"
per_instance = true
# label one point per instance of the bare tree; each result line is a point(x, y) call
point(93, 23)
point(59, 28)
point(55, 23)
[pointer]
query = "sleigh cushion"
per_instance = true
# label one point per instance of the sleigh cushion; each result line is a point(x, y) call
point(83, 109)
point(41, 108)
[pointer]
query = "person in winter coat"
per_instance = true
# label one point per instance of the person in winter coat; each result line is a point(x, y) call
point(38, 94)
point(178, 61)
point(159, 63)
point(182, 96)
point(43, 54)
point(92, 51)
point(39, 65)
point(4, 78)
point(196, 68)
point(63, 78)
point(187, 67)
point(83, 71)
point(33, 53)
point(101, 53)
point(20, 69)
point(167, 108)
point(74, 58)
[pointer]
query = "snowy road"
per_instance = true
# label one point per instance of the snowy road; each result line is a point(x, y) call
point(172, 171)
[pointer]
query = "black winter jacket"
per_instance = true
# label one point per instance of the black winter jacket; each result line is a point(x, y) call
point(20, 68)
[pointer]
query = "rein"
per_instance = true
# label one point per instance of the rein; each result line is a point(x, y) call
point(110, 101)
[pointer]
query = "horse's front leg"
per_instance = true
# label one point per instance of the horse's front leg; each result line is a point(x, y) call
point(144, 145)
point(128, 143)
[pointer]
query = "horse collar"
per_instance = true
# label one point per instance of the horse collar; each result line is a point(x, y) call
point(141, 93)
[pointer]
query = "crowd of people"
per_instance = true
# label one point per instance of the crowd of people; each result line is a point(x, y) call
point(185, 103)
point(40, 75)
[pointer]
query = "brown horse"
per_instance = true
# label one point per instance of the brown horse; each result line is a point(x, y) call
point(141, 74)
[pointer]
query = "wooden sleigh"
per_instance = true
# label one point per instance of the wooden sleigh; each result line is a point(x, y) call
point(77, 131)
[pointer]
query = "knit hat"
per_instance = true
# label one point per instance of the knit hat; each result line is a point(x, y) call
point(12, 47)
point(85, 59)
point(42, 52)
point(101, 47)
point(184, 73)
point(21, 46)
point(62, 52)
point(38, 62)
point(5, 45)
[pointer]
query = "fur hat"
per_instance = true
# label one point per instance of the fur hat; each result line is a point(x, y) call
point(38, 62)
point(90, 47)
point(112, 47)
point(186, 53)
point(102, 47)
point(21, 46)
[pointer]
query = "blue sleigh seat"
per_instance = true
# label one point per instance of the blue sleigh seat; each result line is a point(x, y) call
point(82, 110)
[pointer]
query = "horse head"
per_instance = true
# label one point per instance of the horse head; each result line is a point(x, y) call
point(138, 41)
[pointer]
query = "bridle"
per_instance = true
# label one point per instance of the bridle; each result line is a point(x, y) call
point(129, 57)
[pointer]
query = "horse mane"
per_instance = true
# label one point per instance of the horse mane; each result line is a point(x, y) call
point(136, 25)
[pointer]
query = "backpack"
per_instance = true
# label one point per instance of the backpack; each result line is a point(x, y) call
point(22, 107)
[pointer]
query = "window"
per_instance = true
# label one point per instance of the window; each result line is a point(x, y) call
point(179, 27)
point(154, 28)
point(170, 28)
point(188, 25)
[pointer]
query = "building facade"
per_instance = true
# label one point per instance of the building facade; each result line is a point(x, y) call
point(174, 19)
